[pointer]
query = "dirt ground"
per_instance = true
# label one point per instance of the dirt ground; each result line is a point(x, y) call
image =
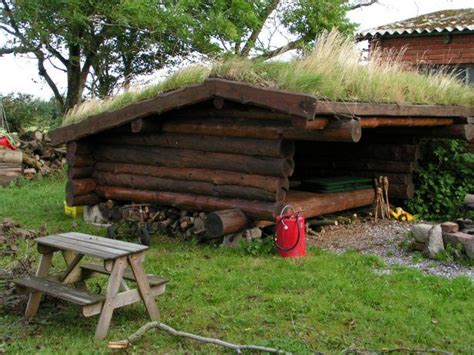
point(383, 238)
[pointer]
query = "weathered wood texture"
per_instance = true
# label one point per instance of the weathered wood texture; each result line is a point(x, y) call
point(184, 158)
point(248, 146)
point(216, 177)
point(314, 204)
point(335, 130)
point(224, 222)
point(252, 208)
point(142, 182)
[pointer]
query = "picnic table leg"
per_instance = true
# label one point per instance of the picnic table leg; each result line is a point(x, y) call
point(113, 286)
point(135, 262)
point(35, 297)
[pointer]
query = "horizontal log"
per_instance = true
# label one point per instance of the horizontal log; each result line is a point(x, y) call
point(181, 158)
point(228, 127)
point(82, 147)
point(217, 177)
point(316, 123)
point(314, 204)
point(335, 131)
point(82, 200)
point(79, 161)
point(11, 156)
point(248, 146)
point(373, 122)
point(79, 172)
point(253, 209)
point(246, 112)
point(142, 182)
point(80, 186)
point(224, 222)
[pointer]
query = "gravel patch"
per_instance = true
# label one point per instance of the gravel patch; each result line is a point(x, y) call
point(383, 239)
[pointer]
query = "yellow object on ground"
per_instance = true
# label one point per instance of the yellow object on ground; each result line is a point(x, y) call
point(73, 211)
point(401, 215)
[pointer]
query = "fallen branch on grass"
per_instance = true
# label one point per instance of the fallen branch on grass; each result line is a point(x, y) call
point(123, 344)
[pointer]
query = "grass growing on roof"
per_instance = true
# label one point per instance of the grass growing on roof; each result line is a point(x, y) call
point(325, 301)
point(333, 70)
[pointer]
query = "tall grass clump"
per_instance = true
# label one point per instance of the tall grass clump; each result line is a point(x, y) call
point(333, 70)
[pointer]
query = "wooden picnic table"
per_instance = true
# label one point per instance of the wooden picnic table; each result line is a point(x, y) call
point(69, 285)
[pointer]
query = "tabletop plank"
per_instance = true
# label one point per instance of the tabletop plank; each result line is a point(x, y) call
point(62, 243)
point(113, 243)
point(91, 245)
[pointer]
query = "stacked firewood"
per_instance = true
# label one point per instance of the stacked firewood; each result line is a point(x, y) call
point(39, 156)
point(160, 219)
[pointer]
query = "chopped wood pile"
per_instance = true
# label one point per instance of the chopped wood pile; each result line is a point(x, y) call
point(39, 156)
point(163, 220)
point(35, 156)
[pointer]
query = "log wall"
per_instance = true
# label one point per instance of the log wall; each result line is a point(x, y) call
point(200, 171)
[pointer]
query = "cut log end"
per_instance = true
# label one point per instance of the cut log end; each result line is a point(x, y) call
point(225, 222)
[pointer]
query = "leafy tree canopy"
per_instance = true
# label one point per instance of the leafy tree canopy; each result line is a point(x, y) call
point(100, 44)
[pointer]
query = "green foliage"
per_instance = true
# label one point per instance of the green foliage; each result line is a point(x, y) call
point(258, 247)
point(106, 43)
point(443, 180)
point(323, 302)
point(23, 111)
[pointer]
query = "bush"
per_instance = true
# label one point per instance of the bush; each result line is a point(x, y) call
point(24, 111)
point(446, 174)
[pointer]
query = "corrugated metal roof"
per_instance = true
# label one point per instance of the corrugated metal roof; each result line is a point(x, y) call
point(445, 21)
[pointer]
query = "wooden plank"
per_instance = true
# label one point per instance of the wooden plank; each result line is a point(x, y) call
point(71, 269)
point(112, 243)
point(35, 297)
point(153, 280)
point(123, 299)
point(136, 263)
point(112, 290)
point(107, 120)
point(284, 101)
point(394, 110)
point(61, 243)
point(58, 290)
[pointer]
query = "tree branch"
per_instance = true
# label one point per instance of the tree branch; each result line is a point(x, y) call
point(363, 4)
point(56, 53)
point(256, 32)
point(275, 52)
point(236, 347)
point(42, 71)
point(14, 50)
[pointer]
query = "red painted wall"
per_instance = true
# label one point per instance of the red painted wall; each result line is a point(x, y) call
point(432, 49)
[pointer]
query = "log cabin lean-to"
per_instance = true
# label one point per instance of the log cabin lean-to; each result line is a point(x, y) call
point(225, 145)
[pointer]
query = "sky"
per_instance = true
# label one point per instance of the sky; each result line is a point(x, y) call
point(20, 74)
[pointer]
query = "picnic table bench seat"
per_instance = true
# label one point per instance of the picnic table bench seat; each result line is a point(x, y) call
point(69, 285)
point(59, 290)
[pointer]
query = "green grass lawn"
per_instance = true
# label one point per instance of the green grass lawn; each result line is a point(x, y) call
point(324, 302)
